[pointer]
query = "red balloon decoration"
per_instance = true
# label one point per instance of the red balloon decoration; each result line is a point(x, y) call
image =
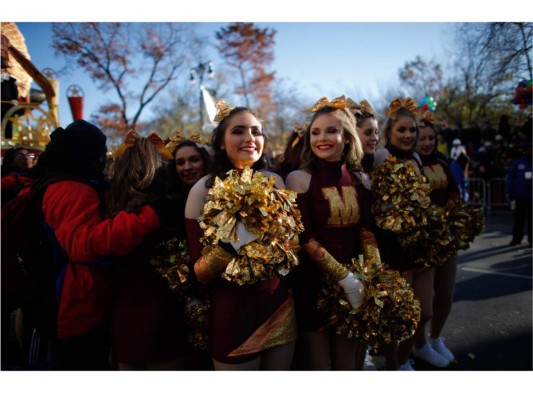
point(427, 103)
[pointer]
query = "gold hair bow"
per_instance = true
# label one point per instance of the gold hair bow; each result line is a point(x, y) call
point(223, 109)
point(159, 144)
point(428, 116)
point(363, 106)
point(174, 141)
point(196, 137)
point(129, 140)
point(397, 104)
point(338, 103)
point(300, 130)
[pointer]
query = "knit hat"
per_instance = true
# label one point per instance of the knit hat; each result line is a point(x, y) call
point(9, 156)
point(80, 149)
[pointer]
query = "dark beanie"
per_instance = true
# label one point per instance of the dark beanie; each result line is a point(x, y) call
point(80, 149)
point(8, 158)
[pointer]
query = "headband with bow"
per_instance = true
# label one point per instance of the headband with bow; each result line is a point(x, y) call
point(174, 141)
point(129, 140)
point(397, 104)
point(132, 137)
point(428, 116)
point(364, 106)
point(223, 109)
point(338, 103)
point(300, 131)
point(159, 144)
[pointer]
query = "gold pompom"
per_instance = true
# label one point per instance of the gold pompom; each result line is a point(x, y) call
point(466, 222)
point(402, 196)
point(268, 212)
point(172, 263)
point(389, 313)
point(402, 205)
point(429, 233)
point(196, 323)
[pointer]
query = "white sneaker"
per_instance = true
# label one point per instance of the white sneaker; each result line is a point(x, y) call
point(369, 364)
point(430, 356)
point(439, 346)
point(408, 366)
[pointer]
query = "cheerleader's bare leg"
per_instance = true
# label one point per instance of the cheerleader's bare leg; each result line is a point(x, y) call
point(444, 290)
point(278, 358)
point(422, 284)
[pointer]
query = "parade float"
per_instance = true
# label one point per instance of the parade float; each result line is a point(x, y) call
point(29, 114)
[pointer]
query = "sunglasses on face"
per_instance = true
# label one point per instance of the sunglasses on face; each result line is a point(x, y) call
point(20, 156)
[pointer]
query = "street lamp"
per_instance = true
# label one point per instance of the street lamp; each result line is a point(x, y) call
point(199, 71)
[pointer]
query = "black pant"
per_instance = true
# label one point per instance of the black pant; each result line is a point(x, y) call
point(89, 352)
point(522, 213)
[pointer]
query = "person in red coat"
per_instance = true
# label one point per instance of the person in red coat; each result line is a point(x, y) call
point(85, 245)
point(16, 164)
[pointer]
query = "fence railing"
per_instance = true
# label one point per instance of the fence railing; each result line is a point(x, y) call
point(487, 194)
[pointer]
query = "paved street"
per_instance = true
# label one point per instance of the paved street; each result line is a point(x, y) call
point(490, 326)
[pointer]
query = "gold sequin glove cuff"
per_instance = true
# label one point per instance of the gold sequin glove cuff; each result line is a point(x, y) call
point(212, 264)
point(369, 245)
point(326, 261)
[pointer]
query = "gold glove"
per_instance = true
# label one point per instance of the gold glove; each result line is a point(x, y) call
point(326, 261)
point(212, 264)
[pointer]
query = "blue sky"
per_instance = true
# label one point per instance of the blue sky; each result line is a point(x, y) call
point(324, 49)
point(319, 58)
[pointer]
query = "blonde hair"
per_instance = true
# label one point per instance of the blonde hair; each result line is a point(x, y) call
point(386, 128)
point(353, 150)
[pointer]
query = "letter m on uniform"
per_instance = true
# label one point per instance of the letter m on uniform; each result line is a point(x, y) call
point(344, 209)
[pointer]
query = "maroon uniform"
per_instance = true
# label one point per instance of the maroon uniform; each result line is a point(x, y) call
point(148, 318)
point(442, 184)
point(244, 320)
point(333, 209)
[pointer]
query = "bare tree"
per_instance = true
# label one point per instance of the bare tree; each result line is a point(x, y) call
point(486, 68)
point(135, 60)
point(512, 41)
point(250, 51)
point(422, 78)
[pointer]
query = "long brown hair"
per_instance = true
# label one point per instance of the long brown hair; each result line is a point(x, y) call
point(132, 178)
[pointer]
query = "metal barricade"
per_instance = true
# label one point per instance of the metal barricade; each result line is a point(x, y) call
point(477, 192)
point(496, 195)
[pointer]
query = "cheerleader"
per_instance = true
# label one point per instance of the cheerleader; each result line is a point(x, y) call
point(335, 214)
point(251, 325)
point(399, 133)
point(443, 189)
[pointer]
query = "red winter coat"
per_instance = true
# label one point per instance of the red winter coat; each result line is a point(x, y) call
point(72, 211)
point(12, 184)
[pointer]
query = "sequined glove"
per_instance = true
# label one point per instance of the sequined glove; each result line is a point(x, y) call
point(211, 265)
point(354, 290)
point(244, 236)
point(351, 285)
